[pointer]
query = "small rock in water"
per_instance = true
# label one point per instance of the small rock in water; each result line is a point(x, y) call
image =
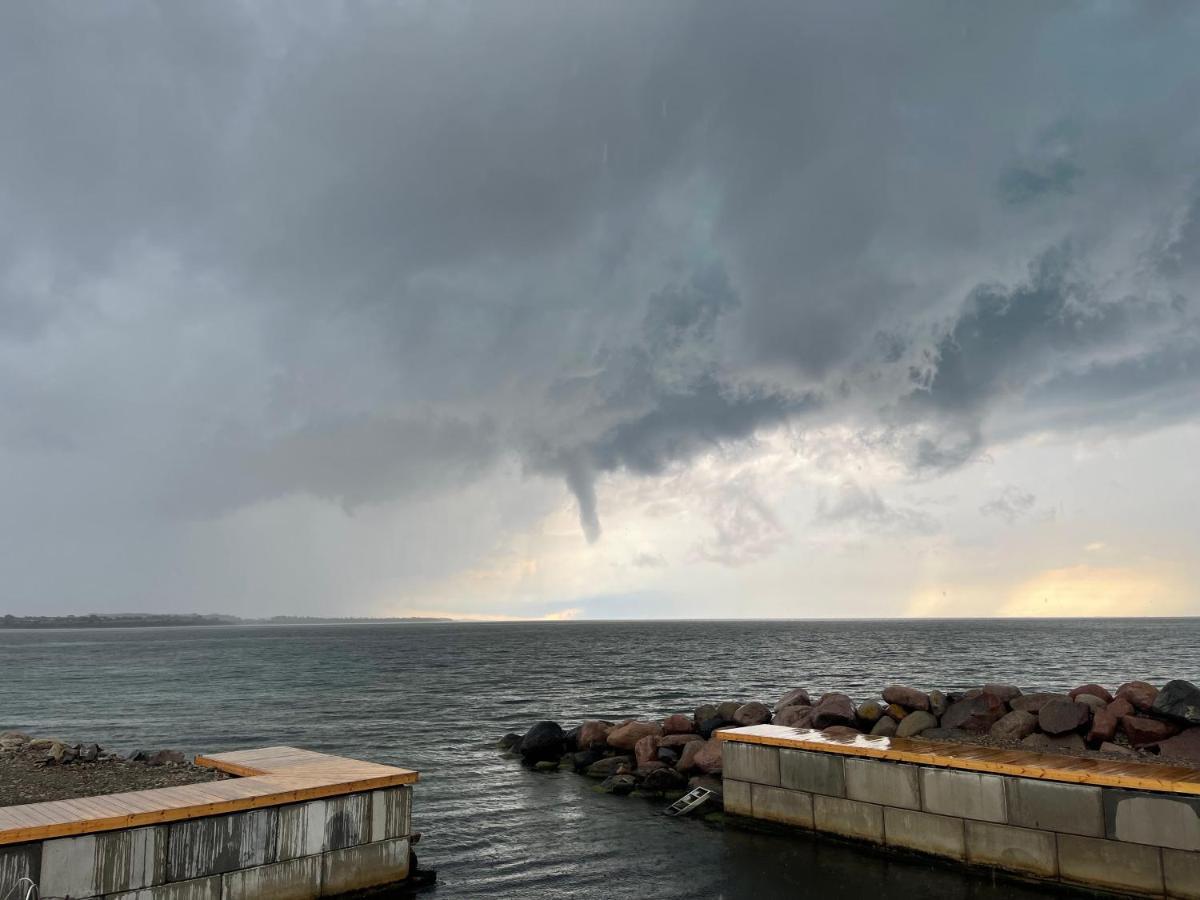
point(546, 765)
point(507, 742)
point(1179, 700)
point(610, 765)
point(661, 780)
point(621, 785)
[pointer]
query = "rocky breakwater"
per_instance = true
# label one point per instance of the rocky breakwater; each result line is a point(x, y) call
point(671, 755)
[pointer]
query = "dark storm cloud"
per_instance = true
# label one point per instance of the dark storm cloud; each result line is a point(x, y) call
point(601, 238)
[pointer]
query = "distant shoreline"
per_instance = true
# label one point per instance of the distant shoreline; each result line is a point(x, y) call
point(137, 620)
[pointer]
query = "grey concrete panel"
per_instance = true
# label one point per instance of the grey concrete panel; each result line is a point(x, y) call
point(347, 821)
point(21, 861)
point(104, 863)
point(368, 866)
point(1157, 819)
point(391, 813)
point(1016, 849)
point(849, 818)
point(892, 784)
point(816, 773)
point(737, 797)
point(301, 830)
point(967, 795)
point(295, 879)
point(197, 889)
point(1181, 874)
point(750, 762)
point(1111, 864)
point(218, 844)
point(1068, 808)
point(926, 832)
point(781, 805)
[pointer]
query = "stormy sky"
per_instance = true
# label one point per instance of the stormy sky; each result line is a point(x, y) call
point(546, 309)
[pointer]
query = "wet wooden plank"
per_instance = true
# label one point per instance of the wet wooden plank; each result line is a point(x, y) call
point(271, 776)
point(1026, 764)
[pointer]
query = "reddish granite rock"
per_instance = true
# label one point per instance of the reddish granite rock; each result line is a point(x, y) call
point(626, 735)
point(1005, 692)
point(1094, 689)
point(678, 724)
point(796, 697)
point(678, 741)
point(1014, 725)
point(794, 717)
point(687, 758)
point(1062, 716)
point(841, 731)
point(646, 749)
point(594, 734)
point(1104, 726)
point(708, 758)
point(909, 698)
point(833, 709)
point(1142, 731)
point(1034, 702)
point(752, 714)
point(1120, 708)
point(1139, 693)
point(1185, 745)
point(975, 715)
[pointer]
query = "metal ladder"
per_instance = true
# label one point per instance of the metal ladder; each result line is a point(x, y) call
point(689, 801)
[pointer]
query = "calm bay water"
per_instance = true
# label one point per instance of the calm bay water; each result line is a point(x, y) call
point(436, 697)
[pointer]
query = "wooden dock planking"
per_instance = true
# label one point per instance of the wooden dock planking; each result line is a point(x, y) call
point(269, 776)
point(974, 758)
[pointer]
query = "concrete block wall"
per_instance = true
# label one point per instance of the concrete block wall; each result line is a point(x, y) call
point(321, 848)
point(1133, 841)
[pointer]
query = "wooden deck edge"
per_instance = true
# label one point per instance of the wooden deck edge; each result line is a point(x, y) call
point(975, 758)
point(278, 788)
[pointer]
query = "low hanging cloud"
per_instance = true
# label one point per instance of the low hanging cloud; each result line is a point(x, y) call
point(378, 254)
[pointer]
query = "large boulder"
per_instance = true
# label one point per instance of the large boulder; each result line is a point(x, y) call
point(975, 715)
point(678, 724)
point(727, 709)
point(544, 741)
point(1034, 702)
point(752, 713)
point(1091, 701)
point(646, 749)
point(1139, 693)
point(794, 717)
point(1014, 725)
point(1185, 745)
point(915, 723)
point(704, 712)
point(508, 742)
point(1062, 716)
point(1143, 731)
point(668, 756)
point(885, 727)
point(938, 703)
point(661, 780)
point(909, 698)
point(1006, 692)
point(1120, 708)
point(626, 735)
point(1104, 726)
point(593, 733)
point(795, 697)
point(896, 711)
point(610, 765)
point(833, 709)
point(1094, 690)
point(679, 741)
point(708, 726)
point(1179, 701)
point(870, 711)
point(708, 757)
point(687, 759)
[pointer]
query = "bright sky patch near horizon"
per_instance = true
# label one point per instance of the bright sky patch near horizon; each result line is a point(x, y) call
point(534, 309)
